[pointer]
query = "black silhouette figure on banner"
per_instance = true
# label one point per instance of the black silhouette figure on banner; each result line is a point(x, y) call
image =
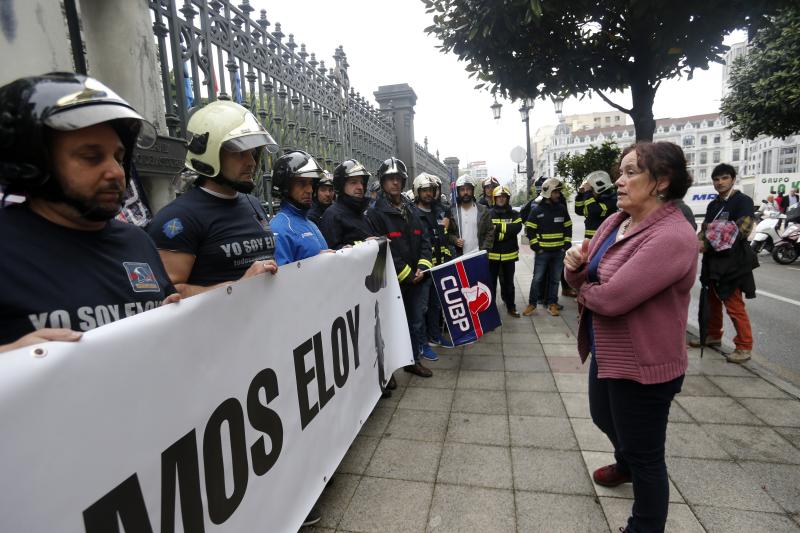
point(379, 345)
point(377, 279)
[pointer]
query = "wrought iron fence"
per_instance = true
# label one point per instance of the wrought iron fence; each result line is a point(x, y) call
point(212, 49)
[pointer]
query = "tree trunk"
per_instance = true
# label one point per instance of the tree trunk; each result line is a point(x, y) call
point(643, 96)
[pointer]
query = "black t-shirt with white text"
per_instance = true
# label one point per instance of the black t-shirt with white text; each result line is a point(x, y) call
point(56, 277)
point(226, 235)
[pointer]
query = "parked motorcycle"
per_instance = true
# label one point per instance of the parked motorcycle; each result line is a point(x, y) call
point(787, 249)
point(766, 233)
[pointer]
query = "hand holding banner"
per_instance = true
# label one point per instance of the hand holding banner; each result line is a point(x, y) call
point(462, 286)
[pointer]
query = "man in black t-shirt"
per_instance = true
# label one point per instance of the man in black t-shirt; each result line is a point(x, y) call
point(216, 232)
point(67, 266)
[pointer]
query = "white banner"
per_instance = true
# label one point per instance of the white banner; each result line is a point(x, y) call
point(228, 411)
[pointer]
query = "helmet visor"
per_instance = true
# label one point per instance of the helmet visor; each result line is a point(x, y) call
point(78, 117)
point(248, 142)
point(309, 170)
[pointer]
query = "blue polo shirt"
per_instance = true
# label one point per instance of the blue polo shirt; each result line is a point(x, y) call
point(296, 237)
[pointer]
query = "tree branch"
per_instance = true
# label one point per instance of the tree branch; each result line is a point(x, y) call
point(612, 104)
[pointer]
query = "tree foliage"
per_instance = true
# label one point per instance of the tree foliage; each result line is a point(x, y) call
point(575, 167)
point(765, 84)
point(540, 48)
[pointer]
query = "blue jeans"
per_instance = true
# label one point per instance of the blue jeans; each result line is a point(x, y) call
point(433, 315)
point(415, 301)
point(548, 265)
point(634, 418)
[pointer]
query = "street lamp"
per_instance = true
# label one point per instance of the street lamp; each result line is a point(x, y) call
point(558, 102)
point(524, 112)
point(496, 107)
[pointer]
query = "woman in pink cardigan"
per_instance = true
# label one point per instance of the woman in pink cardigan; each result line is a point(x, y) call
point(633, 282)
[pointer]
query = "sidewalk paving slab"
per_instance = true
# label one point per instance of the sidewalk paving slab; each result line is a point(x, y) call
point(501, 439)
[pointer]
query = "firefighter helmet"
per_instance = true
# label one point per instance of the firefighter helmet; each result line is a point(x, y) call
point(223, 124)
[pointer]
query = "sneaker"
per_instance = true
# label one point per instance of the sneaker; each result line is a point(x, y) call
point(440, 341)
point(418, 370)
point(609, 476)
point(554, 311)
point(569, 292)
point(530, 310)
point(710, 341)
point(738, 356)
point(386, 394)
point(313, 517)
point(392, 385)
point(513, 312)
point(429, 354)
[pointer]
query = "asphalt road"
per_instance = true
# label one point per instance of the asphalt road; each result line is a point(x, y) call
point(774, 317)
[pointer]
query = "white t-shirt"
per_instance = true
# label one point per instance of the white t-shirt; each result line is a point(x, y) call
point(469, 228)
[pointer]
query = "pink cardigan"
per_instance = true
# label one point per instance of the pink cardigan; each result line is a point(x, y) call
point(640, 307)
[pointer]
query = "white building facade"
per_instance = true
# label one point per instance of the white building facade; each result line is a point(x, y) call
point(477, 171)
point(705, 139)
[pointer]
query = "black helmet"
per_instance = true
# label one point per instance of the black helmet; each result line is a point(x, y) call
point(348, 169)
point(294, 164)
point(62, 101)
point(392, 166)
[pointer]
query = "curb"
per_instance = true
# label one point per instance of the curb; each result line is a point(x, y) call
point(759, 366)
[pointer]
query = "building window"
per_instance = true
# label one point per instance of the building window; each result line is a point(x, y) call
point(717, 139)
point(766, 161)
point(715, 157)
point(688, 141)
point(703, 139)
point(616, 119)
point(702, 173)
point(703, 158)
point(690, 158)
point(788, 159)
point(735, 156)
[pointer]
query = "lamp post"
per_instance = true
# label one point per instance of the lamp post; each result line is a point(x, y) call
point(525, 114)
point(524, 111)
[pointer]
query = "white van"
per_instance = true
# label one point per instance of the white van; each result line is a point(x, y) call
point(699, 196)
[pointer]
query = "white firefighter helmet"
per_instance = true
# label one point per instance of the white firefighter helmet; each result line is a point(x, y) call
point(424, 181)
point(600, 181)
point(223, 124)
point(552, 184)
point(465, 180)
point(409, 194)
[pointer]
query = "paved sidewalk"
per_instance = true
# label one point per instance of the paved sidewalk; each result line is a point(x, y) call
point(500, 439)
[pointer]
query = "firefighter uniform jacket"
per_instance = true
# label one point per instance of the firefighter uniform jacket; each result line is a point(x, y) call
point(549, 227)
point(507, 224)
point(595, 209)
point(437, 234)
point(410, 245)
point(344, 222)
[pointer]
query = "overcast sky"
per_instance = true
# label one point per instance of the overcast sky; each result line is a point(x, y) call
point(385, 44)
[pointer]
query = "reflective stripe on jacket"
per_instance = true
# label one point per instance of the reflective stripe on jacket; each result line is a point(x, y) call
point(410, 245)
point(507, 224)
point(549, 226)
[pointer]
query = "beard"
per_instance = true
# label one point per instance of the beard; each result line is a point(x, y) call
point(242, 186)
point(88, 207)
